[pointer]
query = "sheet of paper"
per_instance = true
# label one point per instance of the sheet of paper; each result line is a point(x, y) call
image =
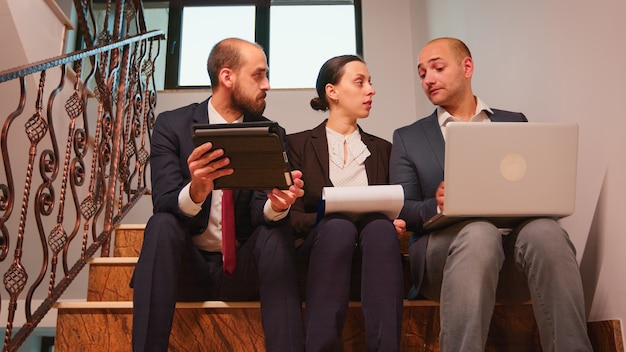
point(386, 199)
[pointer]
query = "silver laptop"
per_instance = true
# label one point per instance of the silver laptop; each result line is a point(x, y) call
point(508, 172)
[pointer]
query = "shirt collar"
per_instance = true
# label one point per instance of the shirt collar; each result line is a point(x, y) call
point(357, 150)
point(444, 117)
point(216, 117)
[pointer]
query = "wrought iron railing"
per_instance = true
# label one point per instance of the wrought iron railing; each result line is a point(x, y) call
point(85, 160)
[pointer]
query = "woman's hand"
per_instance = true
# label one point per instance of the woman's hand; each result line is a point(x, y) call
point(400, 226)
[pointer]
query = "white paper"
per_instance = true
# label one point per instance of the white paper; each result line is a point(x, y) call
point(385, 199)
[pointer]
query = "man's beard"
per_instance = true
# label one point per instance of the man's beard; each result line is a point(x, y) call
point(253, 106)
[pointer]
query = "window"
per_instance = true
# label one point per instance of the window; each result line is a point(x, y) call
point(198, 35)
point(294, 34)
point(301, 41)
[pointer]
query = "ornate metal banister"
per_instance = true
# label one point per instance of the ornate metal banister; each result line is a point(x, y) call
point(114, 90)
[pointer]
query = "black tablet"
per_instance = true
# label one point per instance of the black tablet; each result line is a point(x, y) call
point(255, 150)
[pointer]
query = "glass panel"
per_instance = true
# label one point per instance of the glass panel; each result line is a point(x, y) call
point(203, 27)
point(301, 40)
point(156, 18)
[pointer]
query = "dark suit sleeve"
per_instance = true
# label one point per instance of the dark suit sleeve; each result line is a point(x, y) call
point(418, 206)
point(165, 171)
point(170, 147)
point(301, 220)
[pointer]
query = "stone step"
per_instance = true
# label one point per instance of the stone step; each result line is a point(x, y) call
point(109, 279)
point(236, 326)
point(127, 240)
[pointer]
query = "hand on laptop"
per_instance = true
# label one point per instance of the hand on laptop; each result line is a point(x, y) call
point(439, 196)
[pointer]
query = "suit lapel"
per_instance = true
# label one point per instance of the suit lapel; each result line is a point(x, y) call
point(320, 149)
point(201, 114)
point(432, 131)
point(506, 116)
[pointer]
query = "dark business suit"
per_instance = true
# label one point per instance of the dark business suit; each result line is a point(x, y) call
point(337, 244)
point(469, 266)
point(171, 268)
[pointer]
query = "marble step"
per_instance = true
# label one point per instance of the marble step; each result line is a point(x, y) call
point(236, 326)
point(109, 279)
point(127, 240)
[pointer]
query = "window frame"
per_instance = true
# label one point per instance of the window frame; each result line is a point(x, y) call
point(261, 32)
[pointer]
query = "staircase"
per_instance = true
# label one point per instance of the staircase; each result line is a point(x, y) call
point(74, 146)
point(104, 321)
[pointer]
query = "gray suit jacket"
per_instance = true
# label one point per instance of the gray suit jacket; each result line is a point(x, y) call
point(417, 161)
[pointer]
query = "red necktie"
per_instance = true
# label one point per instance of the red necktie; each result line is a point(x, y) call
point(228, 232)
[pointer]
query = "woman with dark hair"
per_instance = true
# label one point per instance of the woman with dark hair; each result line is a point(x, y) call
point(341, 253)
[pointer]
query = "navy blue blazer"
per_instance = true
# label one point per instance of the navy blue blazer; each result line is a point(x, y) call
point(309, 153)
point(417, 163)
point(171, 145)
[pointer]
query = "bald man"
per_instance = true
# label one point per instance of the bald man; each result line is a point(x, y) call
point(181, 257)
point(471, 265)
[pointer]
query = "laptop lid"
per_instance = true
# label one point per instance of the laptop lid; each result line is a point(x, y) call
point(511, 170)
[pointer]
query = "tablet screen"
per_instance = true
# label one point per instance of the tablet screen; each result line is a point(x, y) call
point(256, 154)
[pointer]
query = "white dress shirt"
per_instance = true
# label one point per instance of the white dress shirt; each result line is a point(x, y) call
point(480, 115)
point(348, 171)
